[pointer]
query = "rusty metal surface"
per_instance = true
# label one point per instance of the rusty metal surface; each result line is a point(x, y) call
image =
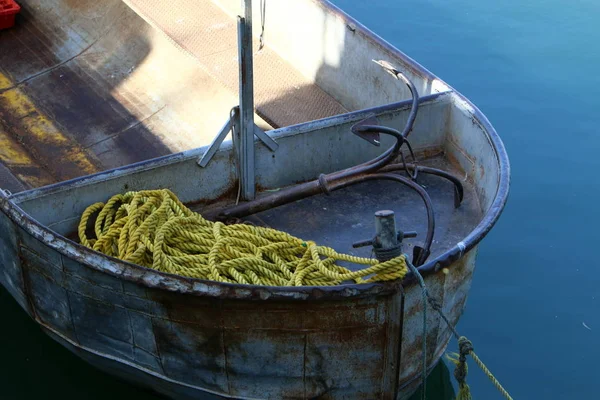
point(274, 349)
point(451, 290)
point(271, 349)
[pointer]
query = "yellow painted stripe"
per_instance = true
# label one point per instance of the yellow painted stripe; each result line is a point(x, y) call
point(16, 103)
point(4, 82)
point(42, 138)
point(18, 161)
point(62, 149)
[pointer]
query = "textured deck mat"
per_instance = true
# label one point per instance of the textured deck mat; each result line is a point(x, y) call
point(283, 96)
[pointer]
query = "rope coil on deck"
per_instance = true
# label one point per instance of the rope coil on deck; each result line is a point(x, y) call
point(154, 229)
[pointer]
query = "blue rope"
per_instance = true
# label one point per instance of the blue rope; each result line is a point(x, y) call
point(414, 270)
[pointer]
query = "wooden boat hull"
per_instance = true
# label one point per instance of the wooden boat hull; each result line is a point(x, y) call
point(196, 339)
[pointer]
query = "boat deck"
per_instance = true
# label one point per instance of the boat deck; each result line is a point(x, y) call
point(347, 215)
point(88, 86)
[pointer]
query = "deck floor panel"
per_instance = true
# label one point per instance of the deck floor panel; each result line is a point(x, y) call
point(106, 89)
point(347, 215)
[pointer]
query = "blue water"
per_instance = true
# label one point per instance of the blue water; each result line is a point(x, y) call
point(532, 67)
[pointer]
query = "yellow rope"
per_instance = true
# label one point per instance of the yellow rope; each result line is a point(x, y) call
point(460, 372)
point(491, 376)
point(154, 229)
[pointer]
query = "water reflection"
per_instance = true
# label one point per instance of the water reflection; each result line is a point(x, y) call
point(439, 384)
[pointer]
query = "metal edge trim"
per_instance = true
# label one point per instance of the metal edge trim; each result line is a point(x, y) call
point(198, 152)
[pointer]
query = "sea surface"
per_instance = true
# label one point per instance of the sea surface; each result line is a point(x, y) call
point(532, 67)
point(533, 312)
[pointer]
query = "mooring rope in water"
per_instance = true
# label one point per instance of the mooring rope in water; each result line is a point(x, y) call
point(154, 229)
point(464, 345)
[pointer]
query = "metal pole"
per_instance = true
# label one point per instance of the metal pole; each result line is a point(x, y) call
point(246, 158)
point(244, 116)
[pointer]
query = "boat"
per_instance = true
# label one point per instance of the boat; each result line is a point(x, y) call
point(102, 98)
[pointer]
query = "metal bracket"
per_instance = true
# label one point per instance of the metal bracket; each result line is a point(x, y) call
point(266, 139)
point(216, 143)
point(229, 126)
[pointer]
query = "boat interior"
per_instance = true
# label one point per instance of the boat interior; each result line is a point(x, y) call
point(98, 98)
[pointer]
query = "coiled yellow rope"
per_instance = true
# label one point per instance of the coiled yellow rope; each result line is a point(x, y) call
point(154, 229)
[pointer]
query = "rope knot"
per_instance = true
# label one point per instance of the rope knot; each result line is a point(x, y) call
point(465, 347)
point(460, 372)
point(461, 369)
